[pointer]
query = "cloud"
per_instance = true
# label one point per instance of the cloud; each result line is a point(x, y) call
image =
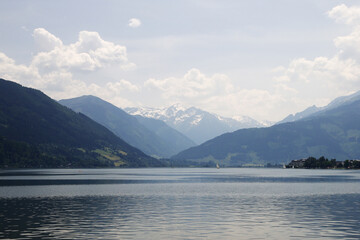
point(321, 69)
point(327, 77)
point(45, 40)
point(118, 87)
point(345, 14)
point(134, 23)
point(192, 85)
point(17, 72)
point(349, 46)
point(53, 68)
point(217, 93)
point(89, 53)
point(302, 83)
point(257, 103)
point(61, 70)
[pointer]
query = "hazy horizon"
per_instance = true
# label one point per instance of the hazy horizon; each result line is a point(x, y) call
point(259, 59)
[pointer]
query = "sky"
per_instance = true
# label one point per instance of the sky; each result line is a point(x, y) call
point(262, 59)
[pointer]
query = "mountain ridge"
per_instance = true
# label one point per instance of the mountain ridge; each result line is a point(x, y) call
point(312, 110)
point(334, 133)
point(130, 128)
point(194, 123)
point(32, 125)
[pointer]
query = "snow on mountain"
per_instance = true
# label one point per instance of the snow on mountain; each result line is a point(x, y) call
point(195, 123)
point(266, 123)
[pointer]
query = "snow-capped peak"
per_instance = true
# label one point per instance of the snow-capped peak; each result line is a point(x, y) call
point(238, 118)
point(195, 123)
point(177, 107)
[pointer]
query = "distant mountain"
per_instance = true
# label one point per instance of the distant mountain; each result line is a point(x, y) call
point(300, 115)
point(36, 131)
point(267, 123)
point(174, 139)
point(153, 137)
point(334, 133)
point(313, 109)
point(343, 100)
point(195, 123)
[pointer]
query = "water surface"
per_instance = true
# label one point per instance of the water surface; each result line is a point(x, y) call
point(180, 204)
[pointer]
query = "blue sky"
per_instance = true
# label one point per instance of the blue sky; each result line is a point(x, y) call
point(263, 59)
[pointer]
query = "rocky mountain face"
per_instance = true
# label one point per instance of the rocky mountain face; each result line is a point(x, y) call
point(333, 132)
point(196, 124)
point(152, 136)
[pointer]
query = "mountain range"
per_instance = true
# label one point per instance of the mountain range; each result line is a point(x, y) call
point(314, 109)
point(37, 131)
point(333, 131)
point(151, 136)
point(196, 124)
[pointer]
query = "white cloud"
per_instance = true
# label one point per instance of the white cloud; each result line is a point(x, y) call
point(349, 46)
point(89, 53)
point(217, 93)
point(257, 103)
point(327, 77)
point(60, 70)
point(45, 40)
point(345, 14)
point(322, 69)
point(192, 85)
point(134, 23)
point(18, 73)
point(122, 85)
point(302, 83)
point(52, 69)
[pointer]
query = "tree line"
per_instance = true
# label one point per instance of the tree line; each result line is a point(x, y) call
point(323, 163)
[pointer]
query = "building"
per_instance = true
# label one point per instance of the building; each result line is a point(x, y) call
point(297, 163)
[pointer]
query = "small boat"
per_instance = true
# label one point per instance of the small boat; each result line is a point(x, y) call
point(217, 166)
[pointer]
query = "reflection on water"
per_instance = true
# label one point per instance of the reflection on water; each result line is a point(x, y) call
point(180, 204)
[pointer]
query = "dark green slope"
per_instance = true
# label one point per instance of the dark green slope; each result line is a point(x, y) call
point(52, 135)
point(334, 134)
point(125, 126)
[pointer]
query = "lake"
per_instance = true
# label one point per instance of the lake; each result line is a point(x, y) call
point(188, 203)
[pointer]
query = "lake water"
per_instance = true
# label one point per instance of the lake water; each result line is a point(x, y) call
point(238, 203)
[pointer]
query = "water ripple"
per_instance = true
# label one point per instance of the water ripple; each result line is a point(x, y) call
point(212, 209)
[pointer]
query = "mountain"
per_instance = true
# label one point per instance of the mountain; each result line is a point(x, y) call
point(172, 137)
point(343, 100)
point(153, 137)
point(36, 131)
point(313, 109)
point(196, 124)
point(334, 133)
point(300, 115)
